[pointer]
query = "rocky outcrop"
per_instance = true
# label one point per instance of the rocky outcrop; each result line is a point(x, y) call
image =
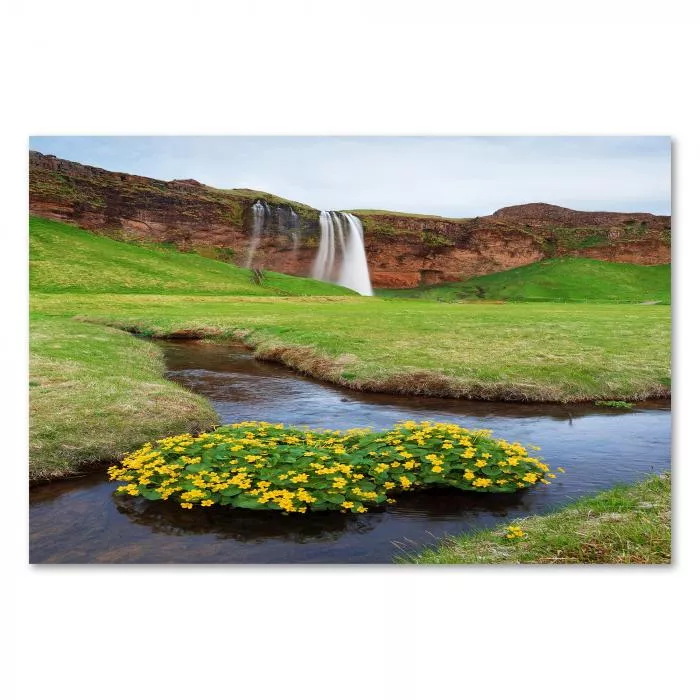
point(403, 250)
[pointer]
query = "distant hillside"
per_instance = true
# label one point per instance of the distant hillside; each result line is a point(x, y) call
point(403, 250)
point(560, 279)
point(64, 258)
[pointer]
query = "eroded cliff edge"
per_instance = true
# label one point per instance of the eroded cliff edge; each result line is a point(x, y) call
point(403, 250)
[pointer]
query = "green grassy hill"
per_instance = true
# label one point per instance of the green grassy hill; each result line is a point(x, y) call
point(559, 279)
point(64, 258)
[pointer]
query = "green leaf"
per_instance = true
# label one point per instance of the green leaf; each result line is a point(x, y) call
point(336, 498)
point(246, 501)
point(231, 491)
point(194, 468)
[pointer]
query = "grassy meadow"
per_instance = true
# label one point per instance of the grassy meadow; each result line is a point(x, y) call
point(542, 352)
point(625, 525)
point(559, 279)
point(524, 352)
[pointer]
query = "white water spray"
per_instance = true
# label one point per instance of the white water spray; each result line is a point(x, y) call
point(343, 232)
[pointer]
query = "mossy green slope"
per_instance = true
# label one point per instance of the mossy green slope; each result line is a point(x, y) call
point(559, 279)
point(65, 258)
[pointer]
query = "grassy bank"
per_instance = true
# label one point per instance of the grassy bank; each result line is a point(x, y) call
point(64, 258)
point(525, 352)
point(560, 279)
point(626, 525)
point(96, 393)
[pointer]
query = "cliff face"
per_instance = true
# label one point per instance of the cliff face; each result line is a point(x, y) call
point(403, 250)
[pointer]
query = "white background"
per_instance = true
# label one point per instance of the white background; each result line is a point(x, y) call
point(349, 68)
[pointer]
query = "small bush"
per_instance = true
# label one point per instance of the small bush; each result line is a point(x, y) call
point(434, 241)
point(260, 465)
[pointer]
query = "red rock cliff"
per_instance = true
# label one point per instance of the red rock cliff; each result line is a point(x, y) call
point(403, 250)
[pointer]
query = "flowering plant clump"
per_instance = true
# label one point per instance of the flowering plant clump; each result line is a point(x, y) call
point(260, 465)
point(514, 531)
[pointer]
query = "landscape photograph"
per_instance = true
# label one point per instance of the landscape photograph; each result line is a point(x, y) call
point(398, 350)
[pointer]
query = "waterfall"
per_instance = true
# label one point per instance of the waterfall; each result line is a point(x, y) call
point(342, 232)
point(354, 272)
point(294, 228)
point(260, 212)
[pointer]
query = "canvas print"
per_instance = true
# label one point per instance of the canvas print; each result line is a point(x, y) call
point(335, 350)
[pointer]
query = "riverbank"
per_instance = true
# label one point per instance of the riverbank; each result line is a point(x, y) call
point(624, 525)
point(90, 405)
point(543, 352)
point(96, 393)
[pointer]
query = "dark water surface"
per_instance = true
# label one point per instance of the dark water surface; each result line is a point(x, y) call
point(81, 521)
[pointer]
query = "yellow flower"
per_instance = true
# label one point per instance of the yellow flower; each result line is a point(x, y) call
point(468, 474)
point(207, 502)
point(436, 469)
point(481, 463)
point(482, 482)
point(347, 504)
point(185, 505)
point(513, 531)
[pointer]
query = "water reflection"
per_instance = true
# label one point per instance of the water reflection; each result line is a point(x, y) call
point(242, 525)
point(259, 526)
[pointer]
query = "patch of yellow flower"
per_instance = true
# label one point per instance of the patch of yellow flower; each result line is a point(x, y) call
point(514, 532)
point(260, 465)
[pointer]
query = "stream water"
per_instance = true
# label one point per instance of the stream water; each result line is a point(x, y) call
point(82, 521)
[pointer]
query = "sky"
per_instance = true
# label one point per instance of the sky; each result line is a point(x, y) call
point(444, 175)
